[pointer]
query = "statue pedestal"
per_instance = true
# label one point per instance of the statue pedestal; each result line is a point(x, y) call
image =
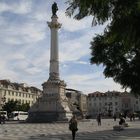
point(53, 105)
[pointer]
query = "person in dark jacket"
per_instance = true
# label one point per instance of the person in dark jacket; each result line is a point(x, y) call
point(115, 117)
point(73, 126)
point(0, 119)
point(122, 121)
point(99, 119)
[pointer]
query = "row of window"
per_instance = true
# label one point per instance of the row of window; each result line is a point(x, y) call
point(99, 98)
point(102, 110)
point(105, 98)
point(126, 105)
point(12, 93)
point(106, 104)
point(21, 101)
point(19, 88)
point(110, 104)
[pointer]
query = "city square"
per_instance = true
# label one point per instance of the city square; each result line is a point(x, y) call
point(87, 130)
point(48, 88)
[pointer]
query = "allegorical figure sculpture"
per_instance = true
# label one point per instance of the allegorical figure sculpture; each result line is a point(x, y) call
point(54, 8)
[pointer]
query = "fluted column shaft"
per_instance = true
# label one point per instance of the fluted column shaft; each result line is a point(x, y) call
point(54, 53)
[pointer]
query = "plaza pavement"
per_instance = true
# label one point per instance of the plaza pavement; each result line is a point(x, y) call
point(88, 130)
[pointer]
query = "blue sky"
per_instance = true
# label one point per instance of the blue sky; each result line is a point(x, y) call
point(25, 46)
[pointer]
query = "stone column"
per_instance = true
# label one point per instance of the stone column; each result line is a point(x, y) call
point(53, 104)
point(54, 56)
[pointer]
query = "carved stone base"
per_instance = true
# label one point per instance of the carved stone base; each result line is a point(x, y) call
point(45, 117)
point(53, 105)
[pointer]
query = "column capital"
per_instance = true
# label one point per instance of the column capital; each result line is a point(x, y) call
point(54, 23)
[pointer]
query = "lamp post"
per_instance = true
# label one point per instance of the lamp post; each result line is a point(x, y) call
point(109, 109)
point(3, 101)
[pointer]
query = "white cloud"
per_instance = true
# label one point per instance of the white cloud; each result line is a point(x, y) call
point(33, 70)
point(84, 77)
point(21, 7)
point(6, 73)
point(16, 56)
point(12, 40)
point(25, 52)
point(2, 21)
point(72, 50)
point(22, 34)
point(39, 16)
point(32, 33)
point(91, 82)
point(71, 24)
point(43, 59)
point(81, 62)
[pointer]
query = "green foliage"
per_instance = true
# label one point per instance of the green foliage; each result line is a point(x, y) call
point(121, 64)
point(25, 107)
point(100, 9)
point(10, 106)
point(15, 106)
point(118, 49)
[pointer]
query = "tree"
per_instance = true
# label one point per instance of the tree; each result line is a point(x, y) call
point(15, 106)
point(118, 49)
point(25, 107)
point(10, 106)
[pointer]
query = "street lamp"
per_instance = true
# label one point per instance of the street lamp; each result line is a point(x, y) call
point(109, 109)
point(3, 101)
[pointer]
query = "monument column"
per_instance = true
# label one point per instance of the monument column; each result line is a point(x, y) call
point(54, 56)
point(53, 104)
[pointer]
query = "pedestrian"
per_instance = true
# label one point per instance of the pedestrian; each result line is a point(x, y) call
point(133, 116)
point(73, 126)
point(122, 121)
point(0, 119)
point(99, 119)
point(115, 116)
point(139, 116)
point(3, 118)
point(130, 116)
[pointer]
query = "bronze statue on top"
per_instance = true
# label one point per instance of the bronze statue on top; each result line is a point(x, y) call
point(54, 8)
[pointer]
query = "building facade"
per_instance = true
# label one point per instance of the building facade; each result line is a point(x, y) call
point(112, 102)
point(18, 92)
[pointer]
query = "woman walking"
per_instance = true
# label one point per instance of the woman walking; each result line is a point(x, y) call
point(99, 119)
point(73, 126)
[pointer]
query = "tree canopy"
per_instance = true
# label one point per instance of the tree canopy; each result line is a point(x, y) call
point(118, 49)
point(15, 106)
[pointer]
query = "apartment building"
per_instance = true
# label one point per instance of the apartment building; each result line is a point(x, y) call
point(18, 92)
point(112, 102)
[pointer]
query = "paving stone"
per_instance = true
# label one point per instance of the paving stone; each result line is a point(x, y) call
point(87, 130)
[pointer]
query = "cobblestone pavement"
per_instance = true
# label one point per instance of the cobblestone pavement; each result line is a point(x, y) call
point(88, 130)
